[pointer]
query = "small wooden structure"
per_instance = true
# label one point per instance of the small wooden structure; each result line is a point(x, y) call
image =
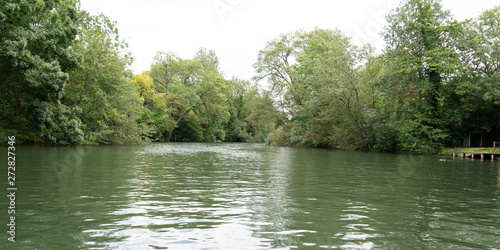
point(482, 156)
point(473, 154)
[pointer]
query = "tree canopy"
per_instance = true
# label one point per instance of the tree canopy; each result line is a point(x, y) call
point(436, 81)
point(35, 59)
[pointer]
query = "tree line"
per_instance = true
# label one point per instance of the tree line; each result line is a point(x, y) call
point(65, 79)
point(436, 81)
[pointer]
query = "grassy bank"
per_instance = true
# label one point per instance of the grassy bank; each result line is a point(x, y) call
point(449, 151)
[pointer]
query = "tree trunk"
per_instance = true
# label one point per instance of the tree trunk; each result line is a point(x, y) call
point(182, 116)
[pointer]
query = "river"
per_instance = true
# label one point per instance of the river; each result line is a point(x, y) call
point(248, 196)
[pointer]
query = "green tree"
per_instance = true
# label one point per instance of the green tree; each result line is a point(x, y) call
point(189, 129)
point(252, 113)
point(420, 34)
point(276, 64)
point(193, 85)
point(481, 52)
point(390, 97)
point(213, 111)
point(101, 87)
point(330, 69)
point(473, 96)
point(420, 39)
point(316, 76)
point(157, 115)
point(36, 39)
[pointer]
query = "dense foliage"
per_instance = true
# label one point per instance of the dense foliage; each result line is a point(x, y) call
point(65, 79)
point(35, 58)
point(437, 80)
point(108, 102)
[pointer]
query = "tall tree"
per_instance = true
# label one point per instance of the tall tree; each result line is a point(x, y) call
point(276, 63)
point(101, 87)
point(316, 76)
point(420, 34)
point(36, 39)
point(481, 50)
point(420, 39)
point(330, 68)
point(473, 96)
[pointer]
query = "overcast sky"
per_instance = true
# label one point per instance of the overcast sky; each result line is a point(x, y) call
point(237, 29)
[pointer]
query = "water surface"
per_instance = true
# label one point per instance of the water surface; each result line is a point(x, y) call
point(248, 196)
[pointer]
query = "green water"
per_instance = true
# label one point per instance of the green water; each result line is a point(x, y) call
point(247, 196)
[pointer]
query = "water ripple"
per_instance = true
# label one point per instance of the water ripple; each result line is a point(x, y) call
point(249, 196)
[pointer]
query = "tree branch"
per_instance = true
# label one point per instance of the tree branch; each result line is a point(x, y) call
point(183, 115)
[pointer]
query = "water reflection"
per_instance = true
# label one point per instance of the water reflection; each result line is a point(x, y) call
point(273, 211)
point(179, 205)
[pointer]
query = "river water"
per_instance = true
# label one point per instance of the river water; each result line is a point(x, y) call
point(248, 196)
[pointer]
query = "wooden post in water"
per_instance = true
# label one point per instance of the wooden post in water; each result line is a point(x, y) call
point(482, 157)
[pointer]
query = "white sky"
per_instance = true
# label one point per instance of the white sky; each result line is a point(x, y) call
point(237, 29)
